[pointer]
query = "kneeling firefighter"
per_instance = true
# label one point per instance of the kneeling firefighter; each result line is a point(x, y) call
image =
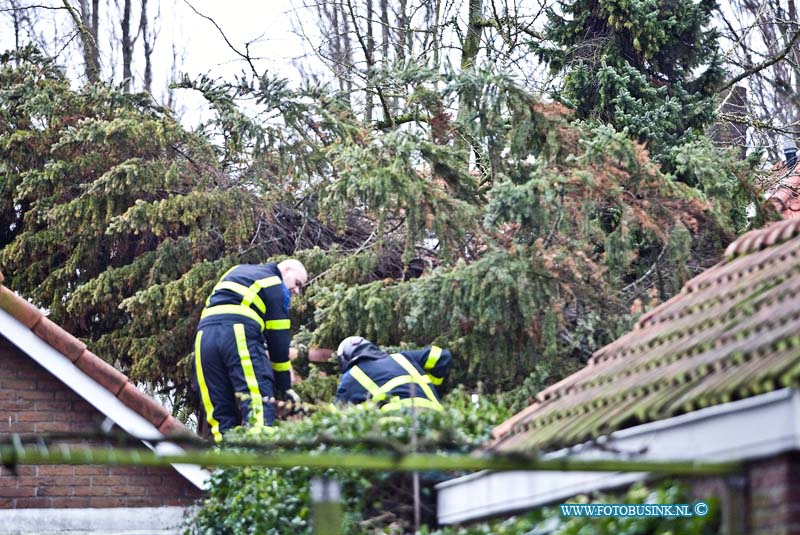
point(391, 381)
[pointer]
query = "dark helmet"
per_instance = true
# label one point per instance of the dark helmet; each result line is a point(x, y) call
point(347, 348)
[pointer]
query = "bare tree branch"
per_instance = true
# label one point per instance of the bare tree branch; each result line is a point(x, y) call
point(244, 56)
point(387, 114)
point(763, 65)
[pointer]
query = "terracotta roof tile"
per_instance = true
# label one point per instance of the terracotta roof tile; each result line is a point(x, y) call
point(25, 312)
point(59, 339)
point(785, 195)
point(95, 367)
point(756, 240)
point(151, 410)
point(732, 332)
point(172, 426)
point(101, 371)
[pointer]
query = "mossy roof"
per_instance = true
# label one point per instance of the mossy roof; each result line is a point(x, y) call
point(732, 332)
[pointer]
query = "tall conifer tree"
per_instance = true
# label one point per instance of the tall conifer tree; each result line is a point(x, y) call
point(650, 66)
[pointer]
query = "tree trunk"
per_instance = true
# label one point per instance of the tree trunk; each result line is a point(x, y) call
point(385, 31)
point(148, 40)
point(469, 53)
point(370, 68)
point(127, 47)
point(473, 41)
point(91, 49)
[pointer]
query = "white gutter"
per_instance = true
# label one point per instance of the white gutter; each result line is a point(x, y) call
point(95, 394)
point(748, 429)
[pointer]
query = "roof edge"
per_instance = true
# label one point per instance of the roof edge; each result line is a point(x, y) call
point(113, 380)
point(759, 239)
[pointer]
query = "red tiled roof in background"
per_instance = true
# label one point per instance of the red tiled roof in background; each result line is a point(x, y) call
point(732, 332)
point(785, 195)
point(104, 373)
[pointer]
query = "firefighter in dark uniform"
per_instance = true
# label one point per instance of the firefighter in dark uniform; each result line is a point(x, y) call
point(391, 381)
point(236, 379)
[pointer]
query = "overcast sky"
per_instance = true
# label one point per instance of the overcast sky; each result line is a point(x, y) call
point(266, 24)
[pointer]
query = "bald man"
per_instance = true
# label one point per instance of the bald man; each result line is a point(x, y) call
point(236, 379)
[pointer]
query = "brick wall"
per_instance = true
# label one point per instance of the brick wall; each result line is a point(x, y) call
point(775, 495)
point(32, 400)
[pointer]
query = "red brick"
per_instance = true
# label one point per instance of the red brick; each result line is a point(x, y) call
point(143, 404)
point(59, 339)
point(29, 503)
point(25, 470)
point(16, 427)
point(74, 501)
point(14, 492)
point(52, 406)
point(92, 491)
point(18, 307)
point(52, 427)
point(128, 490)
point(13, 405)
point(166, 491)
point(107, 481)
point(91, 470)
point(54, 491)
point(37, 394)
point(134, 501)
point(19, 384)
point(56, 470)
point(32, 416)
point(107, 502)
point(55, 481)
point(145, 481)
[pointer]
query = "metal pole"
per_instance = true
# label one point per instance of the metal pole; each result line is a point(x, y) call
point(407, 462)
point(326, 512)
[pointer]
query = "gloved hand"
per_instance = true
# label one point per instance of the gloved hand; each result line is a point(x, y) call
point(293, 396)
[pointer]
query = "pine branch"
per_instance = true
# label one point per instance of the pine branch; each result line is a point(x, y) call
point(401, 119)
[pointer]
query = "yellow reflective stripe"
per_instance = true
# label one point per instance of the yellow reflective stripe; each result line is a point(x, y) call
point(256, 401)
point(435, 380)
point(413, 372)
point(249, 296)
point(282, 366)
point(204, 394)
point(368, 384)
point(391, 384)
point(259, 285)
point(419, 403)
point(208, 300)
point(233, 309)
point(433, 358)
point(278, 325)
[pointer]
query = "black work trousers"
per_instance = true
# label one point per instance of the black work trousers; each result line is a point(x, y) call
point(234, 376)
